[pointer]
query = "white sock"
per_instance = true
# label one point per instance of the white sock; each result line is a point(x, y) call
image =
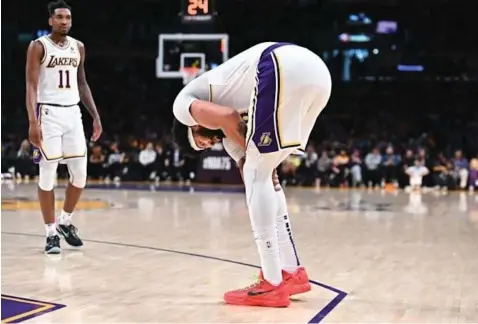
point(288, 254)
point(65, 218)
point(50, 229)
point(262, 212)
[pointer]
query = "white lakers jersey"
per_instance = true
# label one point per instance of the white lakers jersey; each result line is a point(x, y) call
point(230, 84)
point(58, 81)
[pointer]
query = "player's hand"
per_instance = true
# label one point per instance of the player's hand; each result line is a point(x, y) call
point(34, 134)
point(240, 165)
point(275, 180)
point(97, 129)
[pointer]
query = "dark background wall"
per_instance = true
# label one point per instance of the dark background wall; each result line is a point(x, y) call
point(372, 100)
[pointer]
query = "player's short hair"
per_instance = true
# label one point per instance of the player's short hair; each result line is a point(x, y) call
point(211, 133)
point(181, 139)
point(58, 4)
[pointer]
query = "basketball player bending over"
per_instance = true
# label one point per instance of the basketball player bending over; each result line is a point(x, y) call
point(282, 88)
point(56, 81)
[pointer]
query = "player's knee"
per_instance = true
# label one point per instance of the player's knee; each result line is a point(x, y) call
point(257, 181)
point(259, 168)
point(258, 174)
point(47, 175)
point(77, 170)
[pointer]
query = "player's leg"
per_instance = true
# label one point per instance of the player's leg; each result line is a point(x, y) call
point(293, 273)
point(263, 155)
point(46, 198)
point(306, 91)
point(48, 156)
point(76, 184)
point(74, 150)
point(289, 258)
point(257, 173)
point(77, 181)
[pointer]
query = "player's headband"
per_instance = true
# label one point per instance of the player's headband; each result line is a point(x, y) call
point(192, 142)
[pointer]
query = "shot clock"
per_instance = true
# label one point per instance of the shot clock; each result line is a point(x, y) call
point(197, 11)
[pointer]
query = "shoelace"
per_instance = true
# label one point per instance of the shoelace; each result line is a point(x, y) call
point(255, 284)
point(73, 229)
point(53, 239)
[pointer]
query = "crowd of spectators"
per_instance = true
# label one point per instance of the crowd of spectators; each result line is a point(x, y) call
point(337, 156)
point(380, 167)
point(108, 161)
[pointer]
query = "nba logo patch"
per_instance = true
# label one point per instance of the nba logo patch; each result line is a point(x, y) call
point(266, 139)
point(36, 156)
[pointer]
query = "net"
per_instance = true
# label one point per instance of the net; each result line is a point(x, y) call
point(189, 74)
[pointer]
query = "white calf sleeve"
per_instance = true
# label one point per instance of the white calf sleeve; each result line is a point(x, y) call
point(288, 253)
point(262, 212)
point(47, 175)
point(77, 171)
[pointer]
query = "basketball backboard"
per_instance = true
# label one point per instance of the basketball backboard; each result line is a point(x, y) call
point(179, 51)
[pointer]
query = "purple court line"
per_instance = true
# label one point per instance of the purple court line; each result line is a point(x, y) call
point(26, 300)
point(316, 319)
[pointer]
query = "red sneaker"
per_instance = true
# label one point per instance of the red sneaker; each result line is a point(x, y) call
point(296, 283)
point(261, 293)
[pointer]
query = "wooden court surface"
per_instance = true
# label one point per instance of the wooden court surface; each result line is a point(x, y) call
point(167, 255)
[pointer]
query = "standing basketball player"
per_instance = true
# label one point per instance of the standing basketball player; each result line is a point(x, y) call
point(56, 81)
point(282, 88)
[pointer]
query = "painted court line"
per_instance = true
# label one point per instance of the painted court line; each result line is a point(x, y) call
point(43, 308)
point(316, 319)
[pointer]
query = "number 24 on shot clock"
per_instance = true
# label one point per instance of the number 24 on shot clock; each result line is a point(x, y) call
point(198, 10)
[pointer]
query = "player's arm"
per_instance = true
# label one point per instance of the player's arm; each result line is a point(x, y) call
point(192, 108)
point(234, 150)
point(86, 96)
point(35, 53)
point(214, 116)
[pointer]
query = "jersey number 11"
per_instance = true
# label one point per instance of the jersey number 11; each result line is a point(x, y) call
point(64, 77)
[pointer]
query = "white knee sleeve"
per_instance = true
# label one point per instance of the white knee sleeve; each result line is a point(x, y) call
point(47, 175)
point(77, 171)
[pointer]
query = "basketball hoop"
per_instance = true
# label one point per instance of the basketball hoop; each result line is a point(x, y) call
point(189, 74)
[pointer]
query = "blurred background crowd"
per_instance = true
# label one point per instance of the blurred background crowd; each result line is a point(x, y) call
point(404, 94)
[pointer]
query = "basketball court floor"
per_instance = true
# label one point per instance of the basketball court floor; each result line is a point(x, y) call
point(166, 254)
